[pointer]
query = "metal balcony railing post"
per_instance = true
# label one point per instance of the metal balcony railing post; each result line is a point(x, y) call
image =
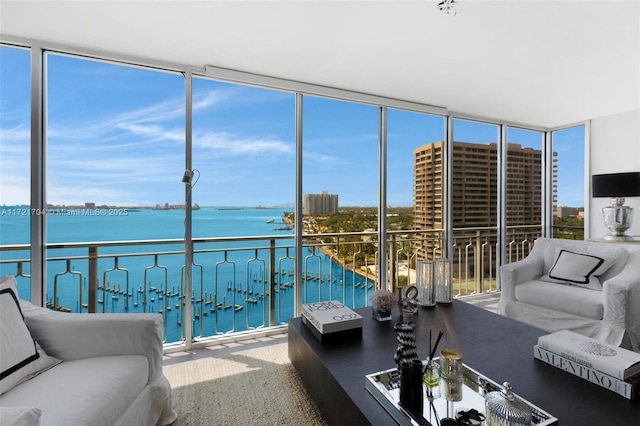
point(272, 282)
point(477, 262)
point(392, 263)
point(93, 279)
point(480, 281)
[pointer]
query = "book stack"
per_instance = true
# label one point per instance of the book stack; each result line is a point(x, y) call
point(605, 365)
point(330, 321)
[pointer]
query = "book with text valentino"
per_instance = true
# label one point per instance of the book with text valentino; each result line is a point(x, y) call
point(627, 389)
point(609, 359)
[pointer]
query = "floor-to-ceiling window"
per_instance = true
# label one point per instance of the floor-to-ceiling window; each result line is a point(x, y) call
point(415, 191)
point(341, 159)
point(115, 159)
point(474, 205)
point(243, 186)
point(116, 154)
point(15, 163)
point(568, 182)
point(524, 190)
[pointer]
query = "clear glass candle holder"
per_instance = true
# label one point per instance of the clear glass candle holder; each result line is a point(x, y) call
point(425, 283)
point(442, 270)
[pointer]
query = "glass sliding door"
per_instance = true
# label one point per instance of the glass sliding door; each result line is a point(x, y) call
point(568, 182)
point(341, 163)
point(115, 160)
point(414, 191)
point(15, 166)
point(474, 192)
point(524, 191)
point(116, 187)
point(243, 192)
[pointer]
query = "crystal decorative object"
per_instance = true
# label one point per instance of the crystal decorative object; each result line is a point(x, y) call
point(448, 7)
point(504, 408)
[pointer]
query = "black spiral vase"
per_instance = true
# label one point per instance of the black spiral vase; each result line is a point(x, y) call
point(406, 351)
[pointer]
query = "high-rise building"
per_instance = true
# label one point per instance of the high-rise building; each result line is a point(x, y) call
point(474, 186)
point(318, 204)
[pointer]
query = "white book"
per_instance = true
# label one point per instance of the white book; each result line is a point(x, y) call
point(614, 361)
point(626, 389)
point(331, 317)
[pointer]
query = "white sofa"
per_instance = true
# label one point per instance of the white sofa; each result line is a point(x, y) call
point(110, 371)
point(591, 288)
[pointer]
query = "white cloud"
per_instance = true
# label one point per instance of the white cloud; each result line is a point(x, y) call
point(209, 99)
point(15, 189)
point(153, 132)
point(105, 168)
point(320, 157)
point(123, 157)
point(15, 138)
point(228, 144)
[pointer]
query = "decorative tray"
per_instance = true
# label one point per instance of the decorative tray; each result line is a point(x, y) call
point(384, 386)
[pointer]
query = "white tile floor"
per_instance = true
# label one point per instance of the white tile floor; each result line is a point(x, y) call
point(488, 301)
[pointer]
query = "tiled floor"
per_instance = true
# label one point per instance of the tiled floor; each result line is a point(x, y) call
point(220, 350)
point(488, 301)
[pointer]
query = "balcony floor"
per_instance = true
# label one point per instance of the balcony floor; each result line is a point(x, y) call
point(488, 301)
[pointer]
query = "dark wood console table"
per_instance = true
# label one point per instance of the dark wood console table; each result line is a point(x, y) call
point(496, 346)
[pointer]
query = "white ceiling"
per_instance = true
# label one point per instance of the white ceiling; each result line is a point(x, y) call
point(542, 63)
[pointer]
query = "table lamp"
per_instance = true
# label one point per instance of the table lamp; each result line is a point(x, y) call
point(617, 217)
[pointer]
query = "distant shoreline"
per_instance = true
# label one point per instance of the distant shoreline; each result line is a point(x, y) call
point(366, 275)
point(326, 250)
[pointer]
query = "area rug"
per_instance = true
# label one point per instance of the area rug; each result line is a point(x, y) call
point(252, 387)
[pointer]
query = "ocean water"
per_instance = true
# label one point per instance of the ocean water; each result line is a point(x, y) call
point(230, 286)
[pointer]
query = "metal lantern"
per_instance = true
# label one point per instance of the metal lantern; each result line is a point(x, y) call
point(425, 283)
point(442, 270)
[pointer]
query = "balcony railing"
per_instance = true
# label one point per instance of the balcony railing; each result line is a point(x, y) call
point(247, 283)
point(568, 232)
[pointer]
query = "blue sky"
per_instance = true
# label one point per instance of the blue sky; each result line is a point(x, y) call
point(116, 137)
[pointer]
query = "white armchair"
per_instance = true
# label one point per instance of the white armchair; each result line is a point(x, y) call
point(110, 374)
point(547, 291)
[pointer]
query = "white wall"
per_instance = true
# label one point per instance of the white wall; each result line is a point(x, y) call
point(615, 148)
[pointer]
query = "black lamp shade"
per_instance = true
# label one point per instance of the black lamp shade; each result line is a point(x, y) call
point(616, 185)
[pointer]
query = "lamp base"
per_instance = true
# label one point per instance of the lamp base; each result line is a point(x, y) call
point(618, 218)
point(619, 238)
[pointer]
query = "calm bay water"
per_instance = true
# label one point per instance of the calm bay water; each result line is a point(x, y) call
point(230, 292)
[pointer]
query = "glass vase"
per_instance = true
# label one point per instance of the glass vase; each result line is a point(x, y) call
point(431, 379)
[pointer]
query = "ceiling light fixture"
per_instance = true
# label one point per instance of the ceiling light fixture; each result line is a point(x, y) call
point(448, 7)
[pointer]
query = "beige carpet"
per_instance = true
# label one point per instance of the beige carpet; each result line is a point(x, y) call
point(252, 387)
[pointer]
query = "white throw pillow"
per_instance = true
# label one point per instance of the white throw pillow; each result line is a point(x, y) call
point(611, 253)
point(21, 358)
point(579, 269)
